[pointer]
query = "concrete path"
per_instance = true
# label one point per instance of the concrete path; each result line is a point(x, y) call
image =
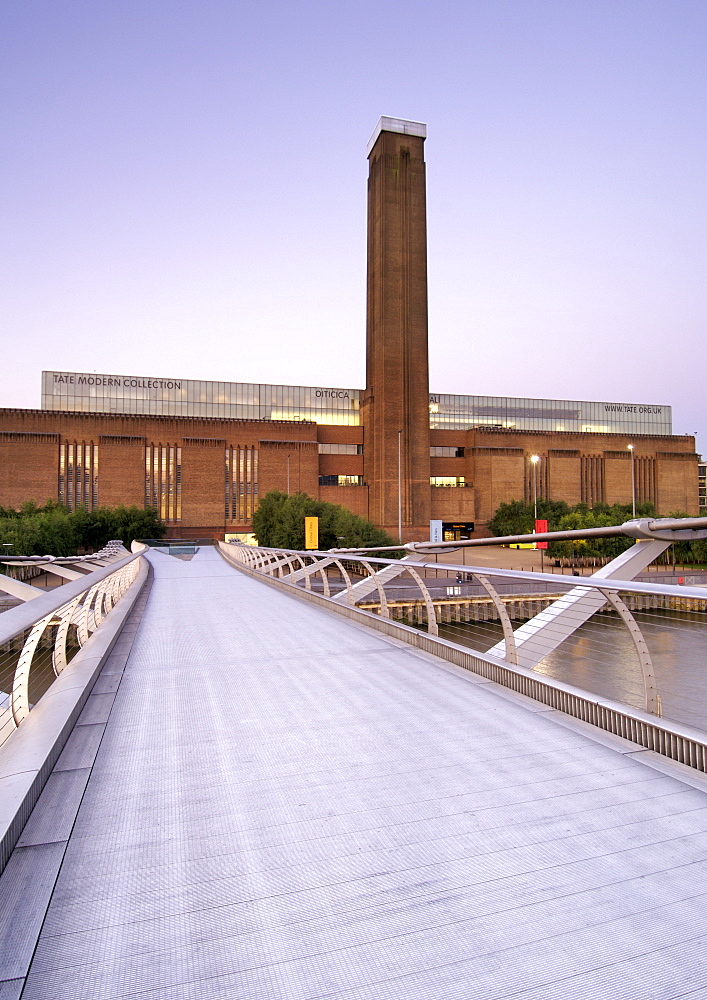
point(286, 805)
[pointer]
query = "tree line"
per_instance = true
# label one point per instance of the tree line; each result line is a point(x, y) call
point(278, 523)
point(55, 530)
point(517, 518)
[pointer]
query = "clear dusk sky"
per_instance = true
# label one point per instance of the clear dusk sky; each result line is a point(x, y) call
point(183, 190)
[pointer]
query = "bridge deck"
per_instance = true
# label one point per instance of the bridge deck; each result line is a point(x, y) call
point(287, 805)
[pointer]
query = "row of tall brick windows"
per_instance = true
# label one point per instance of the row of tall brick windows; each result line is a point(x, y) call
point(645, 480)
point(78, 474)
point(536, 480)
point(241, 483)
point(592, 479)
point(163, 480)
point(78, 479)
point(592, 485)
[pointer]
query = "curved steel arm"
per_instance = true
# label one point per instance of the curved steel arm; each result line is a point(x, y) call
point(86, 611)
point(511, 652)
point(322, 564)
point(432, 626)
point(307, 579)
point(347, 579)
point(19, 619)
point(19, 699)
point(59, 659)
point(385, 613)
point(281, 568)
point(653, 702)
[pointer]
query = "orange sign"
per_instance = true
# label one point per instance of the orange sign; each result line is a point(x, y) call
point(311, 532)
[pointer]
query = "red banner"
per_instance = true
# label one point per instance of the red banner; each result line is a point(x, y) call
point(540, 528)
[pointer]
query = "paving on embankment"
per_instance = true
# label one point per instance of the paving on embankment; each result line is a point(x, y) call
point(286, 804)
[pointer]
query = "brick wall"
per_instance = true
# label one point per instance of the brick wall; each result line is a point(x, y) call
point(203, 481)
point(303, 460)
point(121, 470)
point(564, 474)
point(452, 504)
point(355, 498)
point(495, 462)
point(28, 467)
point(676, 482)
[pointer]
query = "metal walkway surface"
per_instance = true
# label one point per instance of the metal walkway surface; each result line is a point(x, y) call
point(288, 805)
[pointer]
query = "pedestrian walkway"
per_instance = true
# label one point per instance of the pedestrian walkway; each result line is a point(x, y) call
point(287, 805)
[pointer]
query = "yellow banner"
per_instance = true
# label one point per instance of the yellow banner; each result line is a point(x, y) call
point(311, 532)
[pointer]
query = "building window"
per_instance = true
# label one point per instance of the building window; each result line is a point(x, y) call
point(536, 479)
point(163, 480)
point(448, 481)
point(444, 452)
point(340, 449)
point(241, 483)
point(645, 480)
point(78, 475)
point(592, 479)
point(340, 480)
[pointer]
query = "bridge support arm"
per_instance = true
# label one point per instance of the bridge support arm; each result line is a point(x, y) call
point(363, 588)
point(653, 703)
point(307, 571)
point(538, 637)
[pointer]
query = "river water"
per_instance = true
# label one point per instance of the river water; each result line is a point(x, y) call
point(601, 658)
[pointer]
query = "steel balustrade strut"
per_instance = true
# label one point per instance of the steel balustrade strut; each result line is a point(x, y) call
point(99, 592)
point(529, 644)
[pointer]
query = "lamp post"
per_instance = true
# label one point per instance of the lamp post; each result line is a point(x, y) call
point(535, 459)
point(633, 479)
point(400, 487)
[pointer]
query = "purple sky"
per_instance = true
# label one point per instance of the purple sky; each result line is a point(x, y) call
point(183, 191)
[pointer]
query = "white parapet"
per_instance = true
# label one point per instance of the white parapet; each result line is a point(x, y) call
point(400, 125)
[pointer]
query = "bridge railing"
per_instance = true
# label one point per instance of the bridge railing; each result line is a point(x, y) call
point(642, 644)
point(38, 638)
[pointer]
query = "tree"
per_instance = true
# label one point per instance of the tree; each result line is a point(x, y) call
point(57, 531)
point(517, 517)
point(589, 548)
point(279, 523)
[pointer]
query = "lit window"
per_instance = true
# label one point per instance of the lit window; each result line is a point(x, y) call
point(340, 449)
point(447, 481)
point(340, 480)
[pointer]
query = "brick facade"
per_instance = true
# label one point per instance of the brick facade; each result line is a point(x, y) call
point(219, 468)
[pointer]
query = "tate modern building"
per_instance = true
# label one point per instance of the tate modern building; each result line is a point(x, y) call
point(203, 453)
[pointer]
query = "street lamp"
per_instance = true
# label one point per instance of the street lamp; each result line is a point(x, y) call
point(535, 459)
point(633, 479)
point(400, 486)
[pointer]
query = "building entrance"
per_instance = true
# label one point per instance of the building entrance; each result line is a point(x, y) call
point(457, 532)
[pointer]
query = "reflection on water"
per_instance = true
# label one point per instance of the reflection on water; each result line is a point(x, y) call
point(601, 658)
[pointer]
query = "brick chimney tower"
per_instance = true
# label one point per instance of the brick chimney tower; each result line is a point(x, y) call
point(395, 408)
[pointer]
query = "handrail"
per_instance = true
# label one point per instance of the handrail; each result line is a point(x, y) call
point(666, 589)
point(83, 603)
point(647, 528)
point(16, 620)
point(527, 645)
